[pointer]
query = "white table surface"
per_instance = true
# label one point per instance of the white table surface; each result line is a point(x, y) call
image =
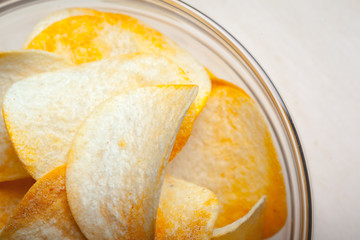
point(311, 51)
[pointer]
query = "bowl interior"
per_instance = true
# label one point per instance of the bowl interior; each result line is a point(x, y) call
point(216, 50)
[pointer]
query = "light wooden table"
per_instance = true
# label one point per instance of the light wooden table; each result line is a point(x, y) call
point(311, 51)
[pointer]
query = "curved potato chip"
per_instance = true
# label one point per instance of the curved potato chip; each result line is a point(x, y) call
point(116, 162)
point(231, 153)
point(11, 194)
point(44, 212)
point(43, 113)
point(186, 211)
point(15, 66)
point(249, 227)
point(95, 35)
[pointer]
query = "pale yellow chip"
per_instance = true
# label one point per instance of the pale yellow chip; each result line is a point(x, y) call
point(116, 162)
point(186, 211)
point(249, 227)
point(43, 113)
point(15, 66)
point(11, 194)
point(231, 153)
point(84, 35)
point(44, 212)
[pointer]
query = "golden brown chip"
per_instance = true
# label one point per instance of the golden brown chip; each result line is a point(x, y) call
point(231, 153)
point(11, 194)
point(44, 212)
point(249, 227)
point(43, 113)
point(186, 211)
point(117, 159)
point(15, 66)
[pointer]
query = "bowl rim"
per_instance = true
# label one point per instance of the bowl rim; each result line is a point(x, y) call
point(263, 77)
point(265, 80)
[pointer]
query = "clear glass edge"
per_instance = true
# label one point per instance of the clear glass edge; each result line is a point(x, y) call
point(277, 100)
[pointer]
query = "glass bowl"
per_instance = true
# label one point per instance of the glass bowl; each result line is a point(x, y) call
point(216, 49)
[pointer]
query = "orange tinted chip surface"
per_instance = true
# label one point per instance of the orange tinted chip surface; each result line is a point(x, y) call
point(186, 211)
point(11, 194)
point(231, 153)
point(93, 37)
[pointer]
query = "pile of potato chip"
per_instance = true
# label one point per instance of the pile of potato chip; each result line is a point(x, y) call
point(112, 131)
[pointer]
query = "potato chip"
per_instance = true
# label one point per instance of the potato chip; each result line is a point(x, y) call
point(231, 153)
point(43, 113)
point(54, 17)
point(116, 162)
point(15, 66)
point(95, 35)
point(11, 194)
point(249, 227)
point(44, 212)
point(186, 211)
